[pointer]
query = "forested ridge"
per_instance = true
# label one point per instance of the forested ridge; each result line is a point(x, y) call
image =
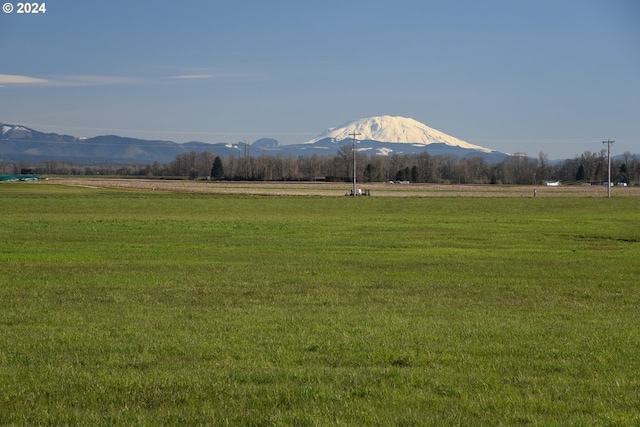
point(589, 167)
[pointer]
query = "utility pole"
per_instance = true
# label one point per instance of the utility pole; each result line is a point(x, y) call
point(354, 134)
point(608, 142)
point(246, 159)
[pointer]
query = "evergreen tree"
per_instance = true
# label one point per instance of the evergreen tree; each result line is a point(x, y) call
point(403, 174)
point(624, 173)
point(217, 171)
point(580, 173)
point(415, 176)
point(370, 173)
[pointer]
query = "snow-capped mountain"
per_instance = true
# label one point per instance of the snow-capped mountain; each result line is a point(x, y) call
point(380, 136)
point(15, 131)
point(393, 129)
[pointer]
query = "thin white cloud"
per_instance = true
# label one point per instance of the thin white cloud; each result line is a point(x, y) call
point(88, 80)
point(91, 80)
point(194, 76)
point(187, 73)
point(13, 79)
point(66, 81)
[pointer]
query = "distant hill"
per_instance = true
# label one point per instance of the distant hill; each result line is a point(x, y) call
point(19, 143)
point(381, 135)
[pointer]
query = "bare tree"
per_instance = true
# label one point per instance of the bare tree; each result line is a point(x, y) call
point(542, 172)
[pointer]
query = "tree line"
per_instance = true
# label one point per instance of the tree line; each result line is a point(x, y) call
point(589, 167)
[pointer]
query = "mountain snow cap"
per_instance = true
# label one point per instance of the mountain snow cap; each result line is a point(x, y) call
point(394, 129)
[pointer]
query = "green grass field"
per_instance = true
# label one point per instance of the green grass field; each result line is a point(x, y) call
point(126, 307)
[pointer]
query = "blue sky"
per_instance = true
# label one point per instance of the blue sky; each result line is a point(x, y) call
point(515, 76)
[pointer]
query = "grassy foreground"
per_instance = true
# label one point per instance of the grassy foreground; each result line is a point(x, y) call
point(139, 308)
